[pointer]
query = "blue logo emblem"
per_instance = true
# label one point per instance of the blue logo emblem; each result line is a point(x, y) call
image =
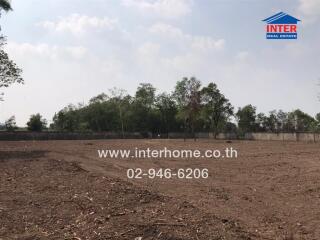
point(281, 26)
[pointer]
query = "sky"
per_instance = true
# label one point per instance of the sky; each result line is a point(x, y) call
point(73, 50)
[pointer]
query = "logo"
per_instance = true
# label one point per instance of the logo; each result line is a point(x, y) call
point(282, 26)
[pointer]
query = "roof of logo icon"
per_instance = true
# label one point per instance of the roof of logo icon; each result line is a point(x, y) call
point(281, 18)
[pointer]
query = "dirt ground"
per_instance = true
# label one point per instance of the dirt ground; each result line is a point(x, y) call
point(63, 190)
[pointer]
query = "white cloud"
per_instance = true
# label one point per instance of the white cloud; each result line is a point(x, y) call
point(162, 8)
point(149, 49)
point(166, 30)
point(202, 43)
point(79, 24)
point(207, 43)
point(310, 9)
point(241, 56)
point(45, 50)
point(147, 59)
point(56, 76)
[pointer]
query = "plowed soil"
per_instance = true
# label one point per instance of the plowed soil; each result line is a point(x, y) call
point(63, 190)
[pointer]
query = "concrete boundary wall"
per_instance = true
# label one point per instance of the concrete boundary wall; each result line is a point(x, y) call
point(204, 135)
point(303, 137)
point(21, 136)
point(25, 136)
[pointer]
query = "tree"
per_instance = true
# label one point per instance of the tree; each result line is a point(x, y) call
point(99, 98)
point(267, 123)
point(188, 98)
point(142, 110)
point(36, 123)
point(68, 119)
point(188, 108)
point(261, 121)
point(167, 110)
point(318, 117)
point(282, 119)
point(246, 117)
point(145, 94)
point(216, 108)
point(273, 123)
point(100, 116)
point(301, 121)
point(118, 96)
point(5, 5)
point(11, 124)
point(318, 122)
point(9, 72)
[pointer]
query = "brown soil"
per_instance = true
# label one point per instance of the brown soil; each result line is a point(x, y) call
point(62, 190)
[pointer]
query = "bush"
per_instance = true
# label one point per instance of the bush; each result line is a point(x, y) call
point(10, 124)
point(36, 123)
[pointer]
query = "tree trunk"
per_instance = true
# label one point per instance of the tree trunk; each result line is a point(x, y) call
point(215, 135)
point(121, 120)
point(184, 130)
point(193, 133)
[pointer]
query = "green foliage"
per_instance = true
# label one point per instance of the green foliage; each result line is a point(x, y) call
point(120, 97)
point(188, 97)
point(68, 119)
point(188, 108)
point(145, 95)
point(167, 111)
point(10, 124)
point(268, 123)
point(282, 120)
point(142, 109)
point(216, 109)
point(246, 119)
point(9, 72)
point(101, 116)
point(36, 123)
point(295, 121)
point(302, 122)
point(99, 99)
point(5, 5)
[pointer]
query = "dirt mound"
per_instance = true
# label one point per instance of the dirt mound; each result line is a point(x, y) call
point(52, 199)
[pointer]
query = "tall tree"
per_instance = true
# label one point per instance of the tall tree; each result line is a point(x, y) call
point(246, 117)
point(188, 97)
point(282, 119)
point(118, 96)
point(142, 109)
point(261, 121)
point(216, 108)
point(168, 110)
point(146, 94)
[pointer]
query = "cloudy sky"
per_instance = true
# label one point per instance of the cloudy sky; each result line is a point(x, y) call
point(73, 50)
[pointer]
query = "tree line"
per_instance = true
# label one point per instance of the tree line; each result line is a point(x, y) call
point(190, 108)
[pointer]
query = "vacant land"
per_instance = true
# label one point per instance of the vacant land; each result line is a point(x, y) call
point(63, 190)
